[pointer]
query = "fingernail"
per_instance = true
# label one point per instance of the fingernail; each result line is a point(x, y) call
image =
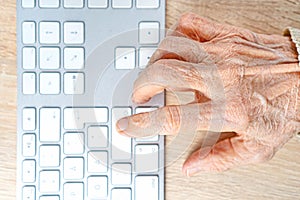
point(122, 124)
point(191, 171)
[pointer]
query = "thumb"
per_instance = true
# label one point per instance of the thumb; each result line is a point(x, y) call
point(226, 154)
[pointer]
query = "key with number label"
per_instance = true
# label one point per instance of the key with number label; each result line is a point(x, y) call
point(73, 168)
point(121, 174)
point(29, 119)
point(29, 143)
point(146, 188)
point(28, 32)
point(121, 194)
point(29, 83)
point(28, 171)
point(74, 58)
point(29, 193)
point(74, 143)
point(49, 155)
point(97, 161)
point(49, 181)
point(28, 58)
point(146, 158)
point(73, 83)
point(49, 58)
point(73, 191)
point(97, 187)
point(49, 124)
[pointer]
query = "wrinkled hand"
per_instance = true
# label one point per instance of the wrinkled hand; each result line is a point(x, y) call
point(245, 83)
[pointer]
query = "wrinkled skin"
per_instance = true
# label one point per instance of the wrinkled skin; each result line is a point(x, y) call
point(245, 83)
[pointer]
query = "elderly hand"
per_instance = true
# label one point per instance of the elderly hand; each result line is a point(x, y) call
point(245, 83)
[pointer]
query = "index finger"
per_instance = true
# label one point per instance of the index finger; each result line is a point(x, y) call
point(198, 28)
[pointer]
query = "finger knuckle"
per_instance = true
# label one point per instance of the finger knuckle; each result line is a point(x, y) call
point(172, 117)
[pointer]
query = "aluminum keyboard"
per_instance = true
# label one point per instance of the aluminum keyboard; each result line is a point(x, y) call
point(77, 61)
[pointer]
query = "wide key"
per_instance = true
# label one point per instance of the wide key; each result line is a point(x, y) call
point(121, 145)
point(49, 124)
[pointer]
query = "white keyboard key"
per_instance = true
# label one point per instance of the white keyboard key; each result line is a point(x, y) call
point(49, 156)
point(28, 144)
point(28, 32)
point(28, 174)
point(73, 83)
point(75, 118)
point(97, 161)
point(73, 191)
point(121, 194)
point(49, 124)
point(149, 32)
point(29, 83)
point(73, 33)
point(49, 181)
point(29, 193)
point(73, 3)
point(141, 110)
point(49, 32)
point(97, 4)
point(49, 58)
point(49, 198)
point(144, 56)
point(49, 3)
point(146, 158)
point(49, 83)
point(97, 187)
point(73, 168)
point(28, 58)
point(121, 174)
point(124, 58)
point(28, 3)
point(74, 58)
point(97, 136)
point(74, 143)
point(29, 119)
point(121, 145)
point(146, 188)
point(121, 3)
point(147, 3)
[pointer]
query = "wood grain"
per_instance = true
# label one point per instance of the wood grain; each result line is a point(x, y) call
point(277, 179)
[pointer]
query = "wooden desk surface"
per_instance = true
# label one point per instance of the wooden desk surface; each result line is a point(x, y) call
point(277, 179)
